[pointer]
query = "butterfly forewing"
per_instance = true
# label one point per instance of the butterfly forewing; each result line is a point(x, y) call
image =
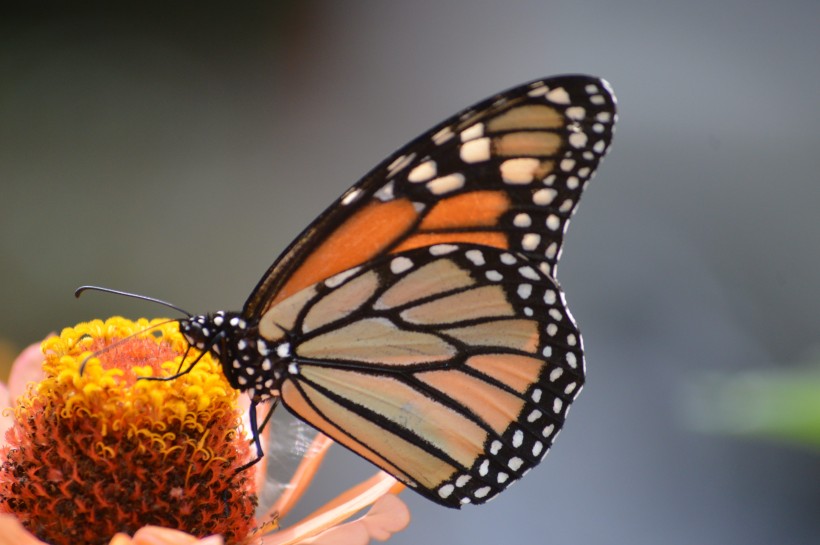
point(418, 320)
point(506, 173)
point(450, 366)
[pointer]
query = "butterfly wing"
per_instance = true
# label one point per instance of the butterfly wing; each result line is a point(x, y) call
point(506, 173)
point(451, 366)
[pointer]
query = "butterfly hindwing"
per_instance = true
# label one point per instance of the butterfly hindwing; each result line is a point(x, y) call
point(451, 366)
point(506, 173)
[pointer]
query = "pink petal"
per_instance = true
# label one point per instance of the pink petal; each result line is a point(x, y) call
point(302, 477)
point(155, 535)
point(6, 420)
point(387, 516)
point(13, 533)
point(337, 511)
point(28, 367)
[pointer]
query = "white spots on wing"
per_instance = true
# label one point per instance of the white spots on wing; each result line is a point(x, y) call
point(495, 447)
point(502, 477)
point(446, 490)
point(536, 395)
point(475, 151)
point(547, 350)
point(283, 350)
point(524, 291)
point(598, 100)
point(385, 193)
point(578, 140)
point(476, 257)
point(530, 241)
point(351, 196)
point(604, 117)
point(538, 90)
point(422, 172)
point(481, 492)
point(443, 136)
point(339, 279)
point(576, 112)
point(553, 222)
point(518, 438)
point(529, 272)
point(262, 347)
point(472, 132)
point(551, 251)
point(558, 95)
point(557, 405)
point(566, 206)
point(494, 276)
point(555, 374)
point(534, 415)
point(484, 468)
point(544, 197)
point(550, 297)
point(573, 182)
point(567, 164)
point(572, 340)
point(519, 171)
point(522, 220)
point(399, 163)
point(446, 184)
point(552, 329)
point(572, 361)
point(599, 147)
point(442, 249)
point(400, 264)
point(547, 431)
point(570, 387)
point(508, 259)
point(515, 463)
point(462, 480)
point(556, 315)
point(537, 448)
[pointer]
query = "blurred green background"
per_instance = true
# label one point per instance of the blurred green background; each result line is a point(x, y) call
point(174, 150)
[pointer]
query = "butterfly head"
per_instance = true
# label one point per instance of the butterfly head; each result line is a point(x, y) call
point(248, 361)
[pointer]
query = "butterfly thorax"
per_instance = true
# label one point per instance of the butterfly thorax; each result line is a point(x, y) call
point(250, 362)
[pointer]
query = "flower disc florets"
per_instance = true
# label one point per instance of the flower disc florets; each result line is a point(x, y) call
point(102, 452)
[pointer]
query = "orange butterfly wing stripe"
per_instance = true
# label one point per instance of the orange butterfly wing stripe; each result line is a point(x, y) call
point(377, 226)
point(363, 235)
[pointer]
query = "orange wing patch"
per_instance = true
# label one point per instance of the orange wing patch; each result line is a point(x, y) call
point(473, 209)
point(367, 233)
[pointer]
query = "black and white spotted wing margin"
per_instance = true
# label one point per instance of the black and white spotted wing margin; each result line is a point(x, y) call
point(451, 367)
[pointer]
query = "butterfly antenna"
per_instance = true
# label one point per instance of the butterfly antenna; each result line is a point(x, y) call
point(79, 291)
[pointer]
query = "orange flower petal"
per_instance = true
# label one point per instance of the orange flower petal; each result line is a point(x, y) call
point(154, 535)
point(387, 516)
point(337, 511)
point(13, 533)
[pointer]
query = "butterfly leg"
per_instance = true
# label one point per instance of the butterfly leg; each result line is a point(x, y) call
point(256, 431)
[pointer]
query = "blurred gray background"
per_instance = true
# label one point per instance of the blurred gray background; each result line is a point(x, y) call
point(175, 151)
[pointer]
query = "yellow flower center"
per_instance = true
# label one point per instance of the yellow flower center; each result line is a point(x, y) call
point(102, 452)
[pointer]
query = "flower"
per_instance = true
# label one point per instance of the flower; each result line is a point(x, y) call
point(92, 454)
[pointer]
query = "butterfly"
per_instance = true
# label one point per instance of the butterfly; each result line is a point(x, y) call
point(418, 320)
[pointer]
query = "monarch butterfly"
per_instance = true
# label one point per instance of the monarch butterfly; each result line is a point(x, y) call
point(418, 321)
